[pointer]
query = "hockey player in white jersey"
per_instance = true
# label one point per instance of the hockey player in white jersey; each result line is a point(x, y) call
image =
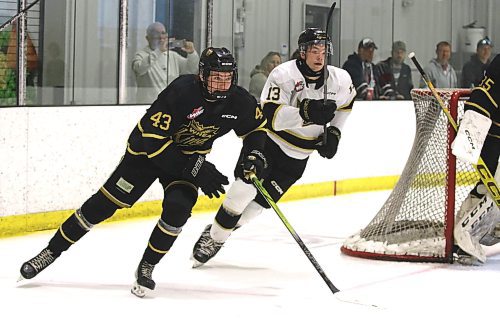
point(293, 102)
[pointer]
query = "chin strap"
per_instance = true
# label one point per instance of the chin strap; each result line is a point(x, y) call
point(307, 72)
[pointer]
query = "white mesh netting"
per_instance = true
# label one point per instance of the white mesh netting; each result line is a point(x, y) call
point(416, 221)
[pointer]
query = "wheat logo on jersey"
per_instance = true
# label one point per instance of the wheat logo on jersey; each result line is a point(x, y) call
point(233, 117)
point(194, 134)
point(195, 113)
point(299, 86)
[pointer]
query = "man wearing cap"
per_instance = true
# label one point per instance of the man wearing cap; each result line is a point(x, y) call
point(395, 77)
point(439, 70)
point(363, 72)
point(473, 70)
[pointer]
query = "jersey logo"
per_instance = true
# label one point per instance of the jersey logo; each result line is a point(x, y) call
point(299, 86)
point(195, 113)
point(195, 134)
point(233, 117)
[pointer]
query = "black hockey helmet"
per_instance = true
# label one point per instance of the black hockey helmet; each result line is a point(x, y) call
point(221, 60)
point(314, 36)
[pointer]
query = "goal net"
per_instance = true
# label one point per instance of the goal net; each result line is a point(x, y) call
point(416, 222)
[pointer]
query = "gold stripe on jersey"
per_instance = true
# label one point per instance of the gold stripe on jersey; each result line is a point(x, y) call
point(129, 149)
point(206, 151)
point(162, 148)
point(261, 127)
point(113, 199)
point(494, 130)
point(487, 94)
point(478, 107)
point(296, 143)
point(348, 105)
point(279, 107)
point(149, 135)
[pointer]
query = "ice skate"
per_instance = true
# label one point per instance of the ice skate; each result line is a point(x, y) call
point(205, 248)
point(144, 280)
point(465, 258)
point(33, 267)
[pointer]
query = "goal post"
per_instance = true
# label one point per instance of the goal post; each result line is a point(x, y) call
point(416, 222)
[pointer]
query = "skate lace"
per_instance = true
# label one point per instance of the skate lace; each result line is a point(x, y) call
point(208, 246)
point(146, 270)
point(42, 260)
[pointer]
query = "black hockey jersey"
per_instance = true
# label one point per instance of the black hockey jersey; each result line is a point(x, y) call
point(485, 99)
point(181, 122)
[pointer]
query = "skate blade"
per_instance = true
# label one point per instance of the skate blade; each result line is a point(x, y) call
point(139, 291)
point(196, 263)
point(468, 261)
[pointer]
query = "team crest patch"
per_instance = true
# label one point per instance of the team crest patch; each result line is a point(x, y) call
point(299, 86)
point(195, 113)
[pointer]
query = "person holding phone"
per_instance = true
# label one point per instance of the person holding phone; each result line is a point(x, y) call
point(156, 65)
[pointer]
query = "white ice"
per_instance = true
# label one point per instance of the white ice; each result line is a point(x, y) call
point(260, 280)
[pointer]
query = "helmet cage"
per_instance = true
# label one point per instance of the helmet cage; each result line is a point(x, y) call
point(218, 60)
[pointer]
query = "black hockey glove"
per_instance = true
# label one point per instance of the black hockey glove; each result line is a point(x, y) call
point(316, 111)
point(332, 141)
point(253, 162)
point(204, 175)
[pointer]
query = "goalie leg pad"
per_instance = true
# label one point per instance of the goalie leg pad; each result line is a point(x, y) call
point(471, 135)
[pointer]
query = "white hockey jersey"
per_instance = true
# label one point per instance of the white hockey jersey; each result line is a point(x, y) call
point(280, 99)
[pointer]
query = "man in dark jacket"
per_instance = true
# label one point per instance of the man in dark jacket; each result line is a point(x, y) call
point(395, 74)
point(473, 71)
point(364, 74)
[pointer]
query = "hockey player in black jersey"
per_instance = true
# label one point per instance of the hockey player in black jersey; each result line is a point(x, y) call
point(480, 125)
point(293, 102)
point(170, 143)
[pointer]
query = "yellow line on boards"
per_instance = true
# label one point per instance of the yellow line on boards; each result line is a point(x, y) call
point(16, 225)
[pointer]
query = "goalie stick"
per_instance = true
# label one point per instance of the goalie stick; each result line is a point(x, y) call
point(272, 204)
point(325, 66)
point(481, 168)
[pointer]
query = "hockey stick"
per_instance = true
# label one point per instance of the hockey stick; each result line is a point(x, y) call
point(294, 234)
point(481, 168)
point(325, 66)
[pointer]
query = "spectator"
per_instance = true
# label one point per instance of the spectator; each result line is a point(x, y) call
point(363, 72)
point(473, 70)
point(396, 74)
point(155, 66)
point(439, 70)
point(260, 72)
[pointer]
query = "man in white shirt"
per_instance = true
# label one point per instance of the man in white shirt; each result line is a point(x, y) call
point(155, 66)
